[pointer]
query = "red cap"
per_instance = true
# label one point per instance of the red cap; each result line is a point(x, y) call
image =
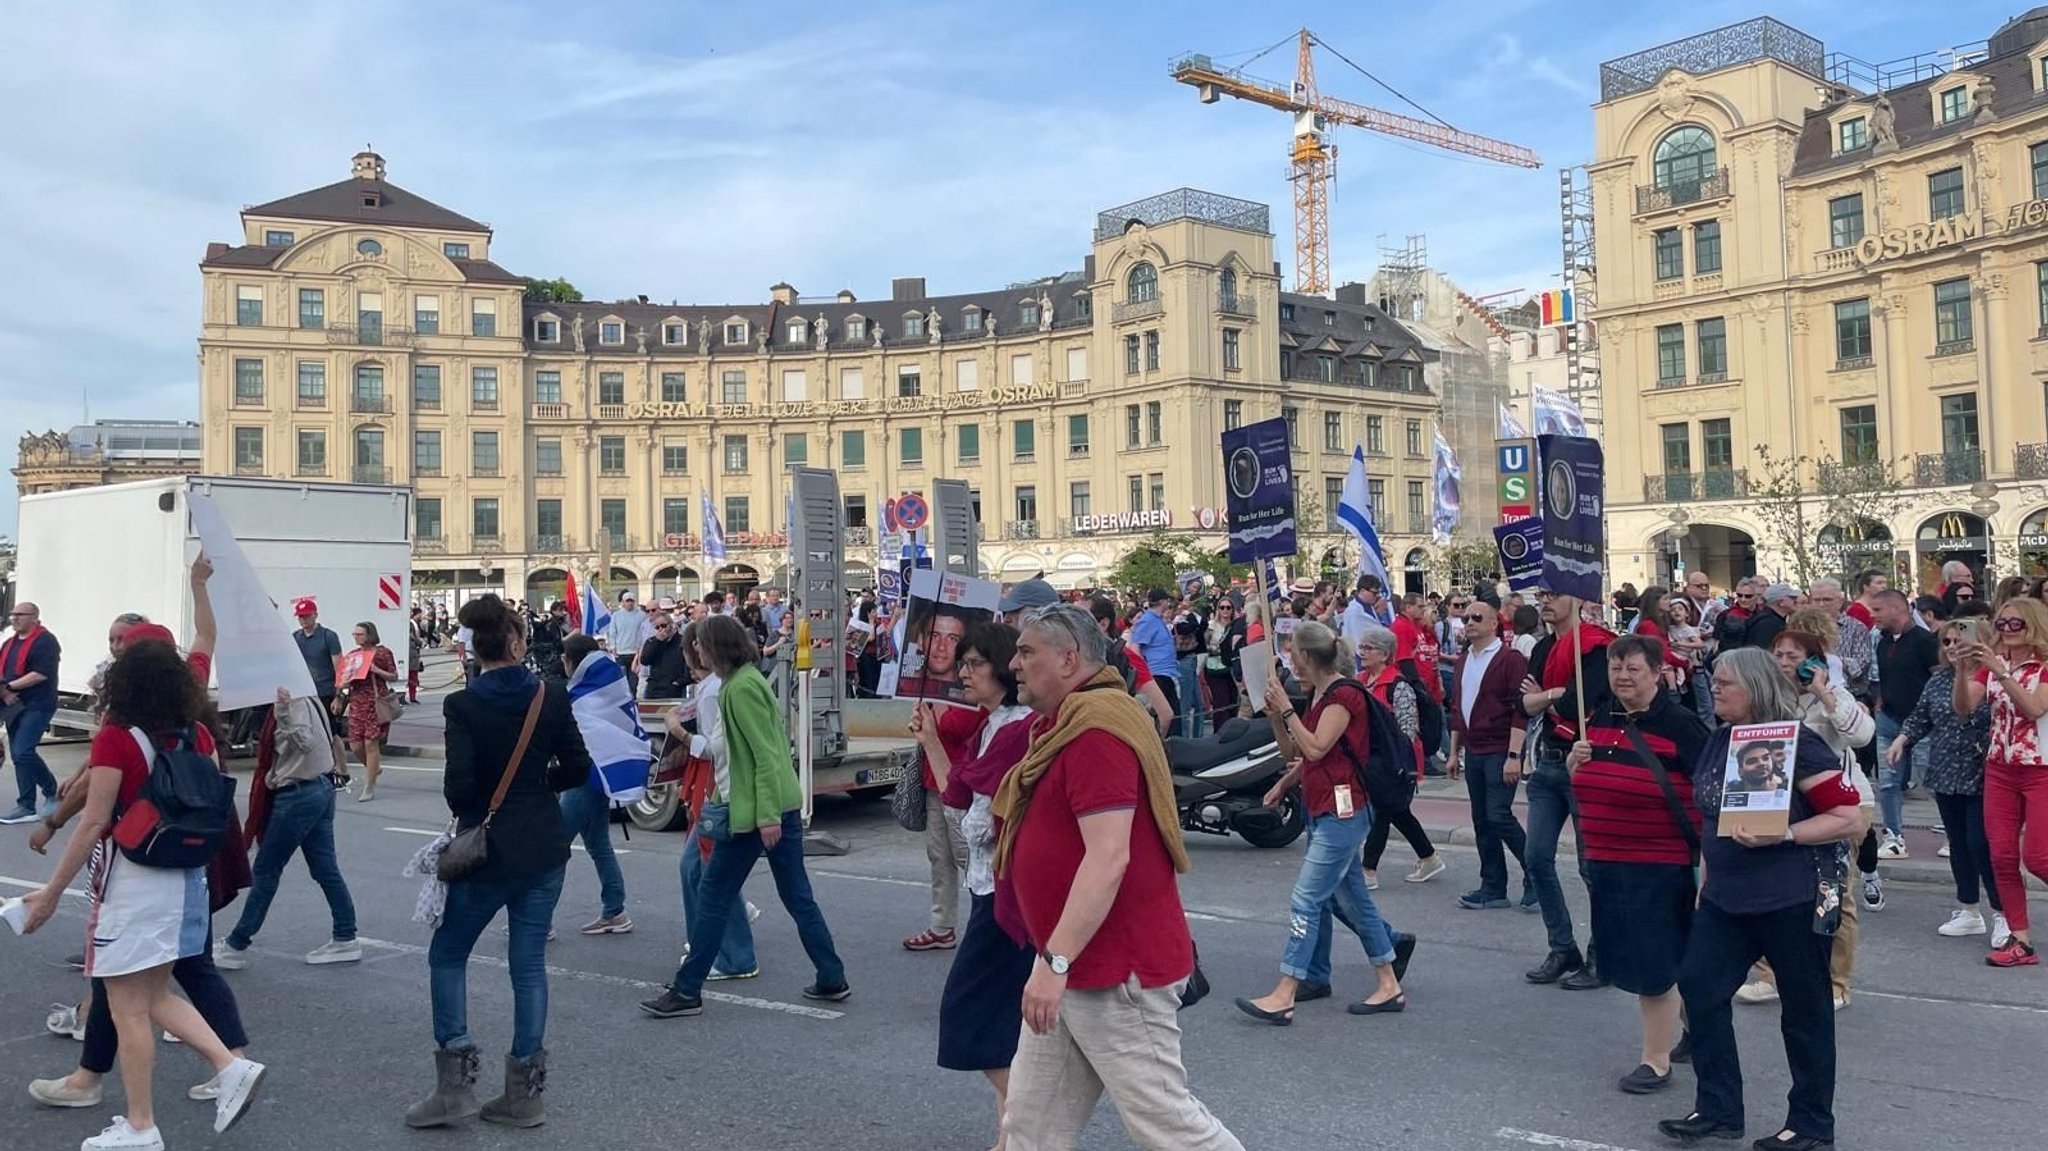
point(149, 631)
point(304, 606)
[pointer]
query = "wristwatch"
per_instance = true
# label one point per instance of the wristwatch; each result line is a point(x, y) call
point(1515, 755)
point(1059, 964)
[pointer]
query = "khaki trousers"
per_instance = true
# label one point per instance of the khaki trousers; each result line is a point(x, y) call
point(1125, 1040)
point(1842, 955)
point(946, 848)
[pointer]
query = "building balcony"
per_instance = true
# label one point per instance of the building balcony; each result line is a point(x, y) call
point(484, 471)
point(426, 471)
point(1418, 525)
point(249, 468)
point(620, 542)
point(486, 542)
point(1943, 469)
point(550, 411)
point(611, 411)
point(370, 474)
point(310, 470)
point(1073, 389)
point(1960, 347)
point(1137, 310)
point(1691, 487)
point(1835, 259)
point(372, 404)
point(1077, 451)
point(2030, 461)
point(317, 403)
point(433, 545)
point(860, 537)
point(547, 543)
point(1021, 530)
point(1234, 304)
point(246, 399)
point(1679, 193)
point(369, 335)
point(1853, 364)
point(1852, 477)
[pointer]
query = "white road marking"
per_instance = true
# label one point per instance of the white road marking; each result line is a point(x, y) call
point(1563, 1142)
point(888, 879)
point(1939, 1002)
point(27, 885)
point(601, 979)
point(431, 834)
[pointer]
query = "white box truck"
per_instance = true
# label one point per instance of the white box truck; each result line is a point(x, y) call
point(89, 554)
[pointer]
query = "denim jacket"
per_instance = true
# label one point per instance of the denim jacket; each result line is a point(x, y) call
point(1955, 746)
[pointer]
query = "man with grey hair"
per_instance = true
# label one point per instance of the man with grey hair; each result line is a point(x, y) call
point(1852, 639)
point(1769, 620)
point(1091, 842)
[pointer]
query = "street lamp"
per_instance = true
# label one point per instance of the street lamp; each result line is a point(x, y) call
point(1679, 530)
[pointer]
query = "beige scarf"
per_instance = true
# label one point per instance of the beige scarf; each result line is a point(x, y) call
point(1101, 704)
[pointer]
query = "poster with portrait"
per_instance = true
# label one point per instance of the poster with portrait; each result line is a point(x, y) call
point(941, 607)
point(1756, 783)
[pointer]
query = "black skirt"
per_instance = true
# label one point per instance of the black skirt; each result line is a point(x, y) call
point(982, 1010)
point(1642, 916)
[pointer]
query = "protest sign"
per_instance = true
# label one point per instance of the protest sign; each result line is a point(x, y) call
point(941, 608)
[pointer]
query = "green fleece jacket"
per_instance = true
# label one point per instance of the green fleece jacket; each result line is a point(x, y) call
point(764, 783)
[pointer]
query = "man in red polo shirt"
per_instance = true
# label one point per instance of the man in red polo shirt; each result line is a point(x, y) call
point(1091, 847)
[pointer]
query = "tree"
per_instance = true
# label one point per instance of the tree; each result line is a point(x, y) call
point(1158, 560)
point(1460, 560)
point(555, 291)
point(1798, 495)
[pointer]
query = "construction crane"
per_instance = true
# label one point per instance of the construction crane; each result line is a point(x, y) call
point(1314, 157)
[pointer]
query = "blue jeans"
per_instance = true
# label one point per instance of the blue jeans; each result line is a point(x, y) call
point(736, 953)
point(1891, 781)
point(529, 905)
point(1333, 876)
point(1550, 804)
point(301, 820)
point(731, 863)
point(1494, 825)
point(24, 736)
point(588, 813)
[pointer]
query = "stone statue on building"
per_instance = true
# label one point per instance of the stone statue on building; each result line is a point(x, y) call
point(761, 341)
point(1044, 312)
point(576, 333)
point(1884, 132)
point(640, 340)
point(820, 332)
point(1985, 94)
point(875, 334)
point(704, 336)
point(988, 324)
point(931, 326)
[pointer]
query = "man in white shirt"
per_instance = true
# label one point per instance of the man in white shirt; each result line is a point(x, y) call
point(1362, 613)
point(629, 630)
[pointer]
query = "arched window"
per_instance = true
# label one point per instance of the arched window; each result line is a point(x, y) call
point(1685, 156)
point(1226, 284)
point(1141, 285)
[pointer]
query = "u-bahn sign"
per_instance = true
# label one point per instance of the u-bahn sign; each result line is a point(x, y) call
point(1515, 465)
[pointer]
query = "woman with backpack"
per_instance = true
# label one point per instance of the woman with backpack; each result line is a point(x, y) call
point(1397, 695)
point(1325, 746)
point(365, 680)
point(149, 910)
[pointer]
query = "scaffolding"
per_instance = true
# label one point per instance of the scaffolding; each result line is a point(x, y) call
point(1401, 275)
point(1580, 339)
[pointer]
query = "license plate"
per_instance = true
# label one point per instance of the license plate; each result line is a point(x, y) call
point(888, 773)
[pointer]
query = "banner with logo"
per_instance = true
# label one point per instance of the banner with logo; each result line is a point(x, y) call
point(1258, 474)
point(1520, 545)
point(1571, 486)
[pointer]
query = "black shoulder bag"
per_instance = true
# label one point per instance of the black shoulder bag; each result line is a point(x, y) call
point(1671, 800)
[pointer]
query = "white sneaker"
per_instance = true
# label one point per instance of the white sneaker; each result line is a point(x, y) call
point(65, 1020)
point(1757, 991)
point(170, 1038)
point(1427, 869)
point(236, 1084)
point(227, 958)
point(204, 1091)
point(1372, 881)
point(753, 911)
point(2001, 931)
point(335, 951)
point(59, 1092)
point(1963, 921)
point(120, 1135)
point(1892, 847)
point(1943, 853)
point(1841, 1001)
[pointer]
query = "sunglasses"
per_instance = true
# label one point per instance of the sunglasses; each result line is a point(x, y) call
point(1477, 618)
point(2009, 623)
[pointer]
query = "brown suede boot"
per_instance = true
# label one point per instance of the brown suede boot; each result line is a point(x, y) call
point(520, 1105)
point(454, 1096)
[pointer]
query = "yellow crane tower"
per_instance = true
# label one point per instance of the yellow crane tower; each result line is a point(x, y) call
point(1313, 156)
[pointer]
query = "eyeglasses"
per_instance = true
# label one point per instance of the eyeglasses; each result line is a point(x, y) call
point(973, 663)
point(1961, 596)
point(2009, 623)
point(1951, 641)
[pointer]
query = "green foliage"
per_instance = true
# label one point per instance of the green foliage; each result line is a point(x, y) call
point(1796, 496)
point(1460, 560)
point(1158, 559)
point(555, 291)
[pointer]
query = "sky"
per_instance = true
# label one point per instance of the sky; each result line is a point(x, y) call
point(703, 153)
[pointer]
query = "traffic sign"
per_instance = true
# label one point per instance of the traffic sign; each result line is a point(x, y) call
point(912, 513)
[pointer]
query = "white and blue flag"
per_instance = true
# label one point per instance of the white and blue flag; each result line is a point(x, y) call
point(714, 532)
point(1510, 427)
point(1556, 414)
point(596, 617)
point(1355, 512)
point(609, 720)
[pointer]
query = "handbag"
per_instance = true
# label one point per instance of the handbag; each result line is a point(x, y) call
point(390, 706)
point(714, 821)
point(907, 804)
point(469, 850)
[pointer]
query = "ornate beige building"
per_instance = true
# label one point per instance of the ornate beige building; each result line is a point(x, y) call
point(106, 452)
point(359, 332)
point(1844, 262)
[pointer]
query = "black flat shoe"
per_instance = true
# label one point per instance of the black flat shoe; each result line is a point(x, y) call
point(1644, 1080)
point(1279, 1018)
point(1584, 979)
point(1308, 992)
point(1404, 950)
point(1796, 1143)
point(672, 1004)
point(1384, 1007)
point(1695, 1127)
point(1556, 966)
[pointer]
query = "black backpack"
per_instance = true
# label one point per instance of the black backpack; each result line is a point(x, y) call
point(182, 817)
point(1385, 773)
point(1429, 715)
point(1118, 657)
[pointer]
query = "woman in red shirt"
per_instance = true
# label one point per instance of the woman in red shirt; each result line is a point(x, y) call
point(2016, 769)
point(1326, 745)
point(366, 675)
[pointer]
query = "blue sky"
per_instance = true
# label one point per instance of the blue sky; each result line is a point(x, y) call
point(700, 153)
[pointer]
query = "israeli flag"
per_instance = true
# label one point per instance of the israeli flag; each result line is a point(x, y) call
point(596, 617)
point(1355, 512)
point(1449, 501)
point(714, 532)
point(610, 723)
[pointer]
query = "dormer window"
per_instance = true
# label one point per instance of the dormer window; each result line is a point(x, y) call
point(797, 332)
point(735, 332)
point(1955, 104)
point(1287, 313)
point(856, 328)
point(373, 200)
point(611, 332)
point(276, 239)
point(2041, 74)
point(1852, 134)
point(369, 247)
point(675, 333)
point(913, 325)
point(970, 320)
point(547, 330)
point(1084, 305)
point(455, 251)
point(1027, 313)
point(1329, 319)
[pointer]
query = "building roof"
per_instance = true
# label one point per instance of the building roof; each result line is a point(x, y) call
point(349, 201)
point(486, 272)
point(266, 256)
point(2012, 80)
point(1352, 331)
point(1002, 303)
point(131, 436)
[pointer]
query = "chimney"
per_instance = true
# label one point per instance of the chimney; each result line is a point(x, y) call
point(783, 294)
point(906, 288)
point(366, 165)
point(1088, 268)
point(846, 296)
point(216, 249)
point(1351, 293)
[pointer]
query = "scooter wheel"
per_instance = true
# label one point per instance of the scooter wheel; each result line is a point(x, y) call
point(1288, 830)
